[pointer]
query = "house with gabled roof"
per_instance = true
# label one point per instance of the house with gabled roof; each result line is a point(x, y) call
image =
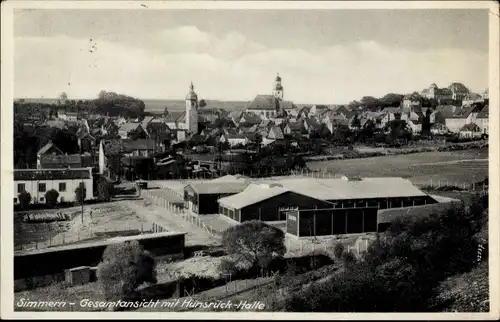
point(132, 129)
point(442, 112)
point(303, 112)
point(332, 123)
point(470, 130)
point(248, 129)
point(234, 139)
point(294, 127)
point(463, 116)
point(318, 109)
point(311, 125)
point(157, 128)
point(439, 129)
point(275, 133)
point(249, 119)
point(176, 120)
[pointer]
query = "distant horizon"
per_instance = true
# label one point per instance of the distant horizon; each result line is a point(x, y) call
point(323, 56)
point(245, 101)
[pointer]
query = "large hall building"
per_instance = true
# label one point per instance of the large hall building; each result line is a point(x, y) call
point(309, 206)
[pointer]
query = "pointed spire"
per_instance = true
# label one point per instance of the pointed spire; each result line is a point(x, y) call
point(191, 86)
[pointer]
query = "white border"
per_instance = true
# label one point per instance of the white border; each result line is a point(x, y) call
point(7, 156)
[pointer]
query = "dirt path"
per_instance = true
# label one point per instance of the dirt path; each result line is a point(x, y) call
point(171, 222)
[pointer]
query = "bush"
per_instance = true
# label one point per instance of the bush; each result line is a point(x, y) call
point(254, 242)
point(24, 200)
point(349, 258)
point(123, 268)
point(104, 189)
point(338, 250)
point(51, 197)
point(80, 193)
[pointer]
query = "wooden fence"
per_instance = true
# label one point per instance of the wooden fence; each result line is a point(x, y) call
point(181, 213)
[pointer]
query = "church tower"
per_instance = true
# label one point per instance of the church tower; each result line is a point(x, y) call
point(278, 88)
point(192, 110)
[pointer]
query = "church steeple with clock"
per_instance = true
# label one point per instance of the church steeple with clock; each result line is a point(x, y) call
point(278, 88)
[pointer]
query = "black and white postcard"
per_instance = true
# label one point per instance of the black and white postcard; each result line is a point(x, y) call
point(250, 160)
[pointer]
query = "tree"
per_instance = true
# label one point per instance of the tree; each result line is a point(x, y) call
point(24, 199)
point(63, 97)
point(51, 197)
point(202, 103)
point(104, 189)
point(398, 130)
point(254, 243)
point(426, 122)
point(391, 100)
point(123, 268)
point(80, 193)
point(370, 103)
point(356, 123)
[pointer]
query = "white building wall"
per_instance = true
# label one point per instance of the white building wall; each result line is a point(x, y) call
point(483, 124)
point(68, 195)
point(192, 116)
point(455, 124)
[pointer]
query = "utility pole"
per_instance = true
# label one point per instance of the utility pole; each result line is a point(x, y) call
point(82, 196)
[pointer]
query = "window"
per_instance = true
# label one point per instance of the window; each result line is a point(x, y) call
point(42, 187)
point(42, 199)
point(21, 187)
point(62, 199)
point(62, 186)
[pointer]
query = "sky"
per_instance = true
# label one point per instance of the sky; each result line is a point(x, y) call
point(322, 56)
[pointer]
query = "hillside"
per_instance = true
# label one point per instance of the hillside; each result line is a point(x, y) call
point(158, 105)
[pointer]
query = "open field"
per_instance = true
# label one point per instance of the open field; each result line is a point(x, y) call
point(448, 168)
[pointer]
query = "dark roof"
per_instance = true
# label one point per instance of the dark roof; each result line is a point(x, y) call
point(56, 123)
point(269, 102)
point(51, 174)
point(447, 111)
point(127, 127)
point(56, 161)
point(198, 138)
point(312, 123)
point(471, 127)
point(142, 144)
point(485, 113)
point(295, 126)
point(250, 118)
point(465, 111)
point(47, 147)
point(275, 133)
point(458, 87)
point(236, 136)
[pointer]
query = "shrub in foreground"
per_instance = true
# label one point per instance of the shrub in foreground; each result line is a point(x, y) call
point(123, 268)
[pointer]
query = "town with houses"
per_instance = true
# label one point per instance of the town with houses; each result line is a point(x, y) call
point(188, 183)
point(229, 162)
